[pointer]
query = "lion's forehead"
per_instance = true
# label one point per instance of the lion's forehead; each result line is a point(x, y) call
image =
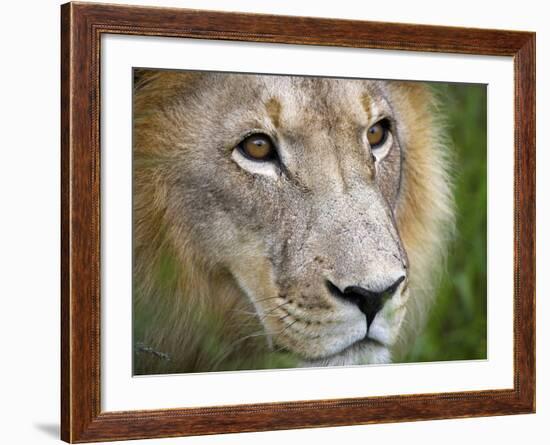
point(294, 101)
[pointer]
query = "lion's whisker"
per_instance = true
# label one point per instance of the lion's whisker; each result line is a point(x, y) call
point(288, 326)
point(265, 314)
point(269, 298)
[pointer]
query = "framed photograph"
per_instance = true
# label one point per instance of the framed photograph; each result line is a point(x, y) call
point(274, 222)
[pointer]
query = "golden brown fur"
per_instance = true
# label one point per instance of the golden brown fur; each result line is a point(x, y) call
point(215, 264)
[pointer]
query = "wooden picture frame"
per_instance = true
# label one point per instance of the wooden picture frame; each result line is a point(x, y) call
point(82, 25)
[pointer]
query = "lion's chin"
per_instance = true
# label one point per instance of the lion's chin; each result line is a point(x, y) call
point(364, 352)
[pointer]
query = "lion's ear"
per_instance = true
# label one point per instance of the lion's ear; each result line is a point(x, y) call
point(142, 76)
point(165, 80)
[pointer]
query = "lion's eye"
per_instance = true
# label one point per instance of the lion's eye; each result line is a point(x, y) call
point(377, 134)
point(258, 147)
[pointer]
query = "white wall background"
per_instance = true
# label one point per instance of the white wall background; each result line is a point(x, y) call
point(29, 220)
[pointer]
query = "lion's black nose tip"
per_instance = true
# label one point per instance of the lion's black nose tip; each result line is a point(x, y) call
point(371, 301)
point(368, 301)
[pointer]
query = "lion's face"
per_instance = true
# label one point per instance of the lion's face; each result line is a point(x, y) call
point(291, 185)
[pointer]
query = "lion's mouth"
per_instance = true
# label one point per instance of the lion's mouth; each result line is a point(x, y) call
point(362, 352)
point(355, 347)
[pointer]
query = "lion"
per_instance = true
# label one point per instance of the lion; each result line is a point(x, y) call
point(284, 221)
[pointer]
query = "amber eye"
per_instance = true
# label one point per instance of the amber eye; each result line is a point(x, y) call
point(377, 134)
point(258, 147)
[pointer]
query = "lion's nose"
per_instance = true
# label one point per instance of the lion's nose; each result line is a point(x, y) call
point(368, 301)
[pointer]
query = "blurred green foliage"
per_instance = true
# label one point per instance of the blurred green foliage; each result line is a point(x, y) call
point(457, 326)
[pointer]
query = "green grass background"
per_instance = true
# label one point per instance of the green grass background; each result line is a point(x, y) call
point(457, 326)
